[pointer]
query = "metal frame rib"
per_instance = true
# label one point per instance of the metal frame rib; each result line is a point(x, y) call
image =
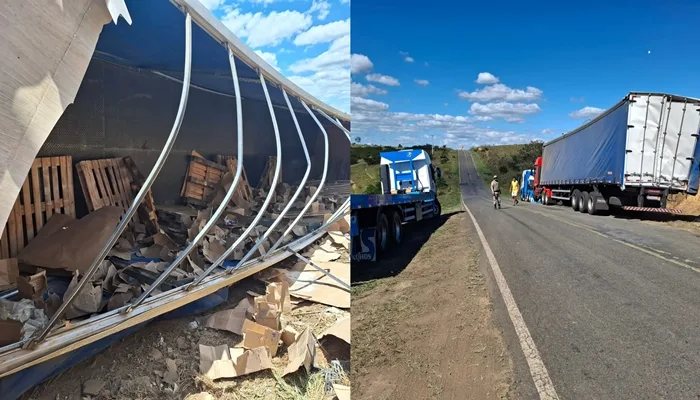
point(222, 207)
point(144, 189)
point(266, 203)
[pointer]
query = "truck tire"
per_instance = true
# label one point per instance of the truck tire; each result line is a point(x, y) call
point(438, 208)
point(382, 234)
point(583, 202)
point(575, 197)
point(545, 198)
point(592, 206)
point(396, 227)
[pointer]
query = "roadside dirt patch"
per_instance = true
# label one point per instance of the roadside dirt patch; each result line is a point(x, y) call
point(428, 332)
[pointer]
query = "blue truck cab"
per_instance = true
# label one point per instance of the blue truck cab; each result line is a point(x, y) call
point(527, 185)
point(409, 195)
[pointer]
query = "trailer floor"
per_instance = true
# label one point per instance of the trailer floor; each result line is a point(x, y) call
point(425, 330)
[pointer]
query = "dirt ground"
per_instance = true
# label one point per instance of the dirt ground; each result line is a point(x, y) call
point(133, 368)
point(427, 332)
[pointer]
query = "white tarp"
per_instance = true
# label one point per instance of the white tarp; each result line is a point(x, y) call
point(45, 50)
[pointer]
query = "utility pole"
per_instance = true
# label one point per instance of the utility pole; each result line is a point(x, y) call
point(432, 148)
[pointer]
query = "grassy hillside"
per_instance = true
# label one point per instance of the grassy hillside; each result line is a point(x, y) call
point(365, 172)
point(505, 161)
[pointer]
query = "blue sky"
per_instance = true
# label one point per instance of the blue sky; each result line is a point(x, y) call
point(550, 66)
point(307, 40)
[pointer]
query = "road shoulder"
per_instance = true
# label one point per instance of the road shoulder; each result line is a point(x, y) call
point(429, 331)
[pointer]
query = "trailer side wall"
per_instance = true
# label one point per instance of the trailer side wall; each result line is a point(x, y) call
point(596, 153)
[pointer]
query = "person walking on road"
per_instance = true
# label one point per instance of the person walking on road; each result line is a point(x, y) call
point(496, 192)
point(514, 191)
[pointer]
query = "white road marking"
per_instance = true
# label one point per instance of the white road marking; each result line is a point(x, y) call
point(539, 373)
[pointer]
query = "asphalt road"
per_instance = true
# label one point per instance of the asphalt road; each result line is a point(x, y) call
point(612, 304)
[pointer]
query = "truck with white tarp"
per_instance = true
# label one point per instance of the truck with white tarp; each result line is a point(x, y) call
point(632, 156)
point(151, 81)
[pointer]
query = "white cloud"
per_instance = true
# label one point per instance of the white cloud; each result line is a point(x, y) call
point(576, 99)
point(511, 112)
point(409, 59)
point(266, 29)
point(501, 92)
point(323, 7)
point(383, 79)
point(337, 55)
point(422, 82)
point(586, 112)
point(360, 63)
point(270, 58)
point(486, 78)
point(344, 1)
point(360, 104)
point(372, 117)
point(212, 4)
point(330, 74)
point(547, 131)
point(360, 90)
point(323, 33)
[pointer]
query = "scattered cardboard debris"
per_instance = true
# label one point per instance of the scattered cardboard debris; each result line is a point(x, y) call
point(71, 244)
point(230, 320)
point(93, 387)
point(171, 375)
point(10, 331)
point(313, 285)
point(289, 335)
point(301, 353)
point(342, 392)
point(341, 330)
point(9, 271)
point(88, 301)
point(216, 362)
point(256, 335)
point(33, 286)
point(335, 341)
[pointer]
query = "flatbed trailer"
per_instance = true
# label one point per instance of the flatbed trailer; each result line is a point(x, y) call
point(376, 220)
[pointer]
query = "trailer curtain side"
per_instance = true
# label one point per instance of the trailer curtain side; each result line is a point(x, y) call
point(594, 153)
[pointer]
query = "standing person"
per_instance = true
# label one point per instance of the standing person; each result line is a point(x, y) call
point(514, 191)
point(496, 192)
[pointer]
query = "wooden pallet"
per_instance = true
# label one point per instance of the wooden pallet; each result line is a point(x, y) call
point(47, 190)
point(268, 174)
point(115, 182)
point(201, 179)
point(147, 209)
point(243, 189)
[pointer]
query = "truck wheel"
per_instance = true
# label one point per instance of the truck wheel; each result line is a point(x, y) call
point(397, 227)
point(592, 204)
point(583, 202)
point(382, 233)
point(575, 197)
point(438, 208)
point(545, 198)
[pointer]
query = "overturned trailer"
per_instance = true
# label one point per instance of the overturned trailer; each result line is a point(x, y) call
point(164, 79)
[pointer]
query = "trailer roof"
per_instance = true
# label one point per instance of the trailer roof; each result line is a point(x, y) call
point(156, 41)
point(620, 103)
